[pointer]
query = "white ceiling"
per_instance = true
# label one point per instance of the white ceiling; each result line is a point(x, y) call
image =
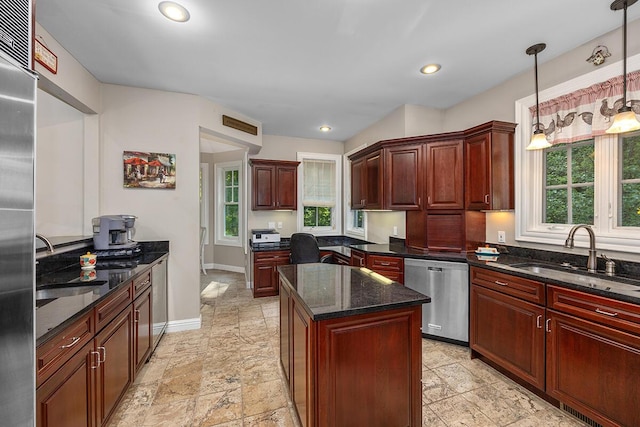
point(295, 65)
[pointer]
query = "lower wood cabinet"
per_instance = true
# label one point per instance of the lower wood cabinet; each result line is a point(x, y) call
point(66, 398)
point(358, 258)
point(391, 267)
point(265, 272)
point(84, 371)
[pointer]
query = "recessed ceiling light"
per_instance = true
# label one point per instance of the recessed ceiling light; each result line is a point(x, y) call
point(325, 128)
point(430, 69)
point(174, 11)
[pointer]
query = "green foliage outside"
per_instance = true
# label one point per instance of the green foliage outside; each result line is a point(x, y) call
point(630, 185)
point(315, 216)
point(231, 197)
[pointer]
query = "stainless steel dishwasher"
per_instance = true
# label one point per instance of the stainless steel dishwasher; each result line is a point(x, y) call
point(446, 317)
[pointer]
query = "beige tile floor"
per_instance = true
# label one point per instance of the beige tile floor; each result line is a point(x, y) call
point(227, 374)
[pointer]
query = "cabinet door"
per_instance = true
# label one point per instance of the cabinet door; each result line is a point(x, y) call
point(358, 258)
point(478, 172)
point(445, 175)
point(302, 356)
point(263, 274)
point(115, 372)
point(285, 319)
point(66, 398)
point(594, 369)
point(142, 328)
point(286, 187)
point(509, 331)
point(264, 186)
point(373, 183)
point(357, 184)
point(403, 177)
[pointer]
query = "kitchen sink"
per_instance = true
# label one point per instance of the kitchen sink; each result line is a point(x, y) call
point(577, 277)
point(59, 290)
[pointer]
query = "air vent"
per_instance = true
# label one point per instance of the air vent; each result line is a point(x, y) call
point(15, 30)
point(588, 421)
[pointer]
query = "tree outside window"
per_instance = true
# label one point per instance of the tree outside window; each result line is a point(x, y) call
point(569, 183)
point(629, 183)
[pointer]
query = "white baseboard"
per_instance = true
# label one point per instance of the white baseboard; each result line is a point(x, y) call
point(233, 268)
point(249, 285)
point(184, 325)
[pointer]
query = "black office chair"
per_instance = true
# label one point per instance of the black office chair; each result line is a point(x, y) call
point(304, 249)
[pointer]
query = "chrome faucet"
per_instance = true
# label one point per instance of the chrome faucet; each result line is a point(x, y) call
point(592, 262)
point(46, 241)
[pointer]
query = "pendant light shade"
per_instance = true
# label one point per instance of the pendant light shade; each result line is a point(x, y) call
point(625, 120)
point(538, 139)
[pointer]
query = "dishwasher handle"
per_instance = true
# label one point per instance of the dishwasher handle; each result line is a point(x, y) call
point(435, 269)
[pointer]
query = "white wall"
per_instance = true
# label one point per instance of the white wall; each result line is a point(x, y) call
point(60, 168)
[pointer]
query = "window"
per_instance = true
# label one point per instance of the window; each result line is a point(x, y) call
point(229, 206)
point(569, 176)
point(319, 202)
point(595, 181)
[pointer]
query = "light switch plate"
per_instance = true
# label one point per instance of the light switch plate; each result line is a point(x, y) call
point(272, 225)
point(502, 237)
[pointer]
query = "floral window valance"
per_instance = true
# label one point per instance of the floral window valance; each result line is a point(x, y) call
point(587, 112)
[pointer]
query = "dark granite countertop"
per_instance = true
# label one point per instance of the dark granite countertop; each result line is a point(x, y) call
point(330, 291)
point(55, 310)
point(624, 287)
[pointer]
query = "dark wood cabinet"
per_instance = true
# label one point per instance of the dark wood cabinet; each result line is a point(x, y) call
point(505, 328)
point(593, 355)
point(445, 174)
point(302, 376)
point(142, 331)
point(446, 231)
point(265, 272)
point(274, 184)
point(285, 326)
point(489, 173)
point(391, 267)
point(66, 398)
point(358, 258)
point(403, 177)
point(366, 181)
point(114, 374)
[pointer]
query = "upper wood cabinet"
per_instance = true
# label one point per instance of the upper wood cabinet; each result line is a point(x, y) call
point(387, 177)
point(489, 166)
point(274, 184)
point(445, 174)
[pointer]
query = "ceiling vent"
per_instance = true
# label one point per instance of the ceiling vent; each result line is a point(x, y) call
point(15, 30)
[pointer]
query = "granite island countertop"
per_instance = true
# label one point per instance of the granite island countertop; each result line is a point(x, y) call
point(330, 291)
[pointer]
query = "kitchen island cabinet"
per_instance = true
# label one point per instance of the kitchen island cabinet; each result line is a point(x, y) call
point(333, 321)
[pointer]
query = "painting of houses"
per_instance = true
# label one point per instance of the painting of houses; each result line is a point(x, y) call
point(149, 170)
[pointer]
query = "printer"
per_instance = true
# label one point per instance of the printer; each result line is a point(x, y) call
point(264, 236)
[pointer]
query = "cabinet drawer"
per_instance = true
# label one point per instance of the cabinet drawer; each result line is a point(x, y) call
point(271, 256)
point(379, 262)
point(54, 353)
point(528, 290)
point(358, 258)
point(141, 283)
point(112, 306)
point(618, 314)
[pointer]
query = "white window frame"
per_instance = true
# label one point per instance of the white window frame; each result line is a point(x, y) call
point(204, 200)
point(219, 171)
point(529, 178)
point(336, 226)
point(350, 228)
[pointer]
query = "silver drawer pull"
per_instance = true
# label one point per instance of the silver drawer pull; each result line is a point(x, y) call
point(547, 326)
point(97, 360)
point(104, 354)
point(606, 313)
point(385, 263)
point(497, 282)
point(74, 342)
point(538, 323)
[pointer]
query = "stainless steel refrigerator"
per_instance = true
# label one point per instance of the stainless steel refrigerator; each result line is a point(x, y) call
point(17, 264)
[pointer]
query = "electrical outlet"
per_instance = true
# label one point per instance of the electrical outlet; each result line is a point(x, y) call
point(271, 225)
point(395, 230)
point(501, 237)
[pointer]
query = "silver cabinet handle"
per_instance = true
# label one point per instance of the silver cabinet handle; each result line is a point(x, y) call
point(97, 360)
point(136, 318)
point(606, 313)
point(486, 199)
point(547, 327)
point(538, 321)
point(497, 282)
point(73, 342)
point(385, 263)
point(104, 354)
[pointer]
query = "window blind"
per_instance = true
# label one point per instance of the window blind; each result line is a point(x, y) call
point(319, 183)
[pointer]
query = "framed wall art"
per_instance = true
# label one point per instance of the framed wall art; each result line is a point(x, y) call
point(149, 170)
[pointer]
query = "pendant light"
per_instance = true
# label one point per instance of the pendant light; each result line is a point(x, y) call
point(538, 139)
point(625, 120)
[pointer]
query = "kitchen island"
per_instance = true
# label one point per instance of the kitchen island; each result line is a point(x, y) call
point(350, 346)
